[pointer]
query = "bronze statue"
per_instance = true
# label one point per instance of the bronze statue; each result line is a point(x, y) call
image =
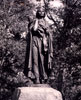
point(40, 50)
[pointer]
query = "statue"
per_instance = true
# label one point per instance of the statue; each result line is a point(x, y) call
point(39, 50)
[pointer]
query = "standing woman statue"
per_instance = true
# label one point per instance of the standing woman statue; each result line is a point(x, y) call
point(39, 51)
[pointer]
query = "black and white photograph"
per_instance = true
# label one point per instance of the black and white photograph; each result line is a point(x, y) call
point(40, 49)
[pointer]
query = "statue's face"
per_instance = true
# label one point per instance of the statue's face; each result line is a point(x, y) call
point(41, 13)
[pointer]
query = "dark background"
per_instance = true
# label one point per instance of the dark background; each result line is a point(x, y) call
point(14, 18)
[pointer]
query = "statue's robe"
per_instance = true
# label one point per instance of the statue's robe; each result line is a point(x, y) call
point(28, 71)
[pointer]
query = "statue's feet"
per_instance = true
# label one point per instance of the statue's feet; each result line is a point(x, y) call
point(37, 81)
point(43, 81)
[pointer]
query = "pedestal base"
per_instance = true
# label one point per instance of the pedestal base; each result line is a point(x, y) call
point(40, 92)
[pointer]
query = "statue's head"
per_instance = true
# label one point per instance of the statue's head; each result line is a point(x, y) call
point(40, 12)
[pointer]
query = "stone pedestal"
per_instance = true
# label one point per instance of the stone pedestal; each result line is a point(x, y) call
point(36, 93)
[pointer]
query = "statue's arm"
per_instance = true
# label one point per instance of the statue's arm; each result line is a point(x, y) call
point(35, 27)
